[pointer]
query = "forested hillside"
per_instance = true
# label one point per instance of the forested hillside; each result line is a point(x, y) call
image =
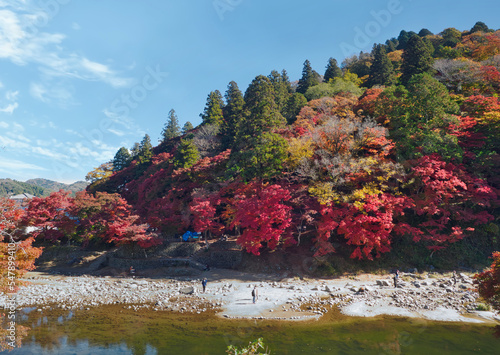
point(399, 145)
point(56, 186)
point(9, 187)
point(37, 187)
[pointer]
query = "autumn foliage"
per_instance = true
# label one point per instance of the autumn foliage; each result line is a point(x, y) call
point(417, 161)
point(86, 218)
point(17, 254)
point(488, 282)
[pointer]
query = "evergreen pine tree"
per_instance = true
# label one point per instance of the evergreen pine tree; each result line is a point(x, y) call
point(122, 159)
point(391, 45)
point(187, 154)
point(280, 89)
point(381, 71)
point(332, 70)
point(233, 114)
point(134, 151)
point(187, 127)
point(417, 59)
point(286, 80)
point(145, 150)
point(262, 113)
point(212, 113)
point(293, 106)
point(403, 39)
point(309, 78)
point(171, 129)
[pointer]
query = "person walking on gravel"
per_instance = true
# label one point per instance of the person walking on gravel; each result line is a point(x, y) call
point(204, 284)
point(255, 294)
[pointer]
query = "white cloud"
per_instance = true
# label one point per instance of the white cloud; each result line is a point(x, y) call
point(49, 153)
point(9, 108)
point(9, 165)
point(76, 26)
point(14, 143)
point(11, 97)
point(23, 41)
point(19, 137)
point(4, 124)
point(56, 93)
point(116, 132)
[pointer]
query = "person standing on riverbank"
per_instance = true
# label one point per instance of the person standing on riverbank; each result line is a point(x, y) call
point(396, 277)
point(255, 294)
point(204, 284)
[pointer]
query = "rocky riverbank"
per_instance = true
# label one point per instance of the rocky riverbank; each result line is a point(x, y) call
point(430, 296)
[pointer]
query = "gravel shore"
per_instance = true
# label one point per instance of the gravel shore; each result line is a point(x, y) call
point(429, 296)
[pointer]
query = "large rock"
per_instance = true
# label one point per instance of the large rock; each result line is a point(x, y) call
point(383, 283)
point(187, 290)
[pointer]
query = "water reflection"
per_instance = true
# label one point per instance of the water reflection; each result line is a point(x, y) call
point(115, 330)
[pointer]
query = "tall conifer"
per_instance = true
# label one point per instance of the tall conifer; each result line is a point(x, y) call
point(233, 114)
point(213, 109)
point(171, 129)
point(417, 59)
point(309, 78)
point(332, 70)
point(381, 71)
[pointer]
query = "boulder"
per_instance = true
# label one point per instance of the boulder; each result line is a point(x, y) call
point(383, 283)
point(187, 290)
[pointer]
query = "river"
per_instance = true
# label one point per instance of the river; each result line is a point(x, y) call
point(117, 330)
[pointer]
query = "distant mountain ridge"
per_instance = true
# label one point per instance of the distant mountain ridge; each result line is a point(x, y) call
point(56, 186)
point(37, 187)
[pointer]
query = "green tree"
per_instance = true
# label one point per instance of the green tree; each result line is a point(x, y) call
point(134, 151)
point(425, 32)
point(262, 113)
point(359, 65)
point(391, 45)
point(187, 127)
point(293, 106)
point(171, 129)
point(420, 117)
point(145, 150)
point(451, 37)
point(417, 59)
point(212, 113)
point(381, 71)
point(233, 114)
point(286, 80)
point(332, 70)
point(186, 155)
point(122, 159)
point(479, 27)
point(319, 91)
point(403, 39)
point(262, 157)
point(309, 78)
point(281, 89)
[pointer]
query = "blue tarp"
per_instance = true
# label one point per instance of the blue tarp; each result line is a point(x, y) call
point(189, 234)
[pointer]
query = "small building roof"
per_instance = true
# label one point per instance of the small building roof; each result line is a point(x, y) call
point(21, 197)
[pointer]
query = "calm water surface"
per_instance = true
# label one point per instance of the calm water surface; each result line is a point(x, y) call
point(115, 330)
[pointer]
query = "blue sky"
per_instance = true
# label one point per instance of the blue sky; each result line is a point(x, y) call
point(81, 78)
